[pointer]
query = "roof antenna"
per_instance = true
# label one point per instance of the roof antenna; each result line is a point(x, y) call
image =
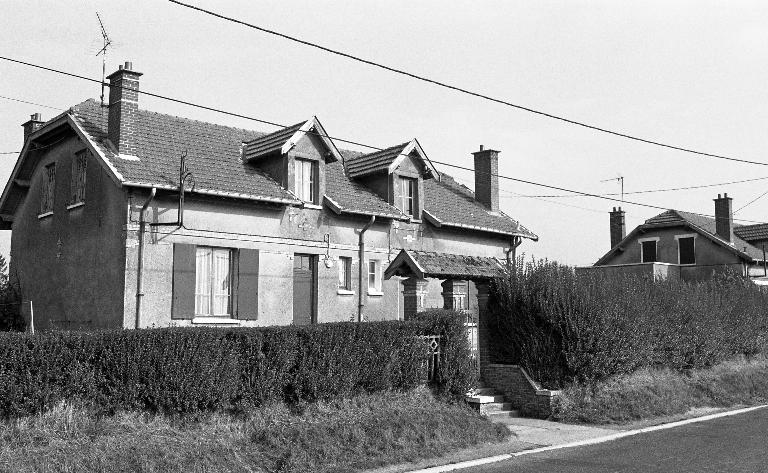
point(620, 180)
point(103, 52)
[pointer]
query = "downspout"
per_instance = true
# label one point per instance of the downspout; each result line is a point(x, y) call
point(361, 256)
point(140, 263)
point(512, 252)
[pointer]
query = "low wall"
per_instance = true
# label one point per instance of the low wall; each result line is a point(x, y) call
point(519, 389)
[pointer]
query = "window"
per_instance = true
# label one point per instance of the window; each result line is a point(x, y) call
point(48, 188)
point(648, 251)
point(345, 273)
point(77, 183)
point(305, 185)
point(213, 281)
point(374, 276)
point(408, 188)
point(685, 248)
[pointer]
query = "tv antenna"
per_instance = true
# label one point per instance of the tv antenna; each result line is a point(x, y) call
point(620, 180)
point(103, 52)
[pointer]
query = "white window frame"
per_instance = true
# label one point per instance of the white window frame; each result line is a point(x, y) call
point(301, 186)
point(687, 235)
point(211, 281)
point(48, 190)
point(376, 289)
point(345, 266)
point(77, 180)
point(403, 182)
point(643, 240)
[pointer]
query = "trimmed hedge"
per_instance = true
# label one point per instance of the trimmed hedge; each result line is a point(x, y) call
point(565, 326)
point(204, 369)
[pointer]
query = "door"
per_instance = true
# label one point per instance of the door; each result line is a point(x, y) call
point(304, 284)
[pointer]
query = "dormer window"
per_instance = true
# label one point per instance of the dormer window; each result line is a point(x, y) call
point(408, 189)
point(305, 180)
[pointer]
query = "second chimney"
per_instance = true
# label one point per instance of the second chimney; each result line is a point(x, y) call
point(487, 178)
point(724, 217)
point(618, 226)
point(123, 109)
point(34, 124)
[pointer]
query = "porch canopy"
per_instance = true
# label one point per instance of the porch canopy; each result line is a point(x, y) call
point(430, 264)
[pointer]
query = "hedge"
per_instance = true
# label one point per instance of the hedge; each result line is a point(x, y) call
point(204, 369)
point(565, 326)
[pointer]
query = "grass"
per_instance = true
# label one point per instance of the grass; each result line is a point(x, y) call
point(654, 392)
point(343, 436)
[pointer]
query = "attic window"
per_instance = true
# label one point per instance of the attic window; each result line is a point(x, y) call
point(408, 187)
point(47, 189)
point(305, 180)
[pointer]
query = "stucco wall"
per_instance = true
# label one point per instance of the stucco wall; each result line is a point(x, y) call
point(278, 233)
point(70, 264)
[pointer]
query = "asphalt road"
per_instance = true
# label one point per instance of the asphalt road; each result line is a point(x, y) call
point(737, 443)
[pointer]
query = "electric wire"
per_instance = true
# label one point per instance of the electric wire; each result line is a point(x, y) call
point(464, 90)
point(30, 103)
point(751, 201)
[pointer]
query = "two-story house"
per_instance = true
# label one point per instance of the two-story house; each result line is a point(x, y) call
point(122, 217)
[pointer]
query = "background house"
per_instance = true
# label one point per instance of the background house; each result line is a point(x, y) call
point(111, 228)
point(686, 245)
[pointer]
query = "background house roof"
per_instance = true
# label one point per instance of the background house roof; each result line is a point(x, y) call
point(752, 232)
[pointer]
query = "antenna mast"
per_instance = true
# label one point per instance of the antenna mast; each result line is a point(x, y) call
point(620, 180)
point(103, 52)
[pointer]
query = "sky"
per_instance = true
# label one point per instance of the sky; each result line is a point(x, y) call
point(690, 74)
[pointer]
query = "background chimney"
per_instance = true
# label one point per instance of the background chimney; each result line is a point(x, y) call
point(724, 217)
point(32, 125)
point(618, 226)
point(123, 109)
point(486, 178)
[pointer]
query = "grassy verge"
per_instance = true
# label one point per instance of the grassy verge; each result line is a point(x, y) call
point(343, 436)
point(649, 393)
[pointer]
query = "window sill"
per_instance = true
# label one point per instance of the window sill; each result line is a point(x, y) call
point(686, 264)
point(215, 320)
point(375, 293)
point(46, 214)
point(416, 220)
point(345, 292)
point(307, 205)
point(74, 206)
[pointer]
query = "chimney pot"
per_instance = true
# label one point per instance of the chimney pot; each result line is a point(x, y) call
point(724, 217)
point(32, 125)
point(128, 65)
point(618, 226)
point(123, 109)
point(487, 178)
point(481, 147)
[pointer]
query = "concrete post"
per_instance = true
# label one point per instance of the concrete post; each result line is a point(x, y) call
point(483, 329)
point(414, 296)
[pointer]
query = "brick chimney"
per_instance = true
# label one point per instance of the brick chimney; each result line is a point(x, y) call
point(123, 109)
point(724, 217)
point(487, 178)
point(32, 125)
point(618, 226)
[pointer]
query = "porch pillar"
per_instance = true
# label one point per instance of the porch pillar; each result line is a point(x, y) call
point(483, 329)
point(414, 296)
point(454, 294)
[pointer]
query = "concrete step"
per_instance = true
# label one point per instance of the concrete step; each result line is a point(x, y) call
point(484, 399)
point(498, 415)
point(495, 407)
point(484, 391)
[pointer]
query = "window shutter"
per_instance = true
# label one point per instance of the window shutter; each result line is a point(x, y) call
point(183, 306)
point(248, 285)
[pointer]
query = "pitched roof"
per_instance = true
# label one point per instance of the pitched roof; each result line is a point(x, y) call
point(269, 143)
point(215, 156)
point(752, 232)
point(431, 264)
point(448, 203)
point(388, 159)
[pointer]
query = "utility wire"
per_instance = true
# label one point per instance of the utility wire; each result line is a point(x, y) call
point(461, 89)
point(30, 103)
point(752, 201)
point(533, 183)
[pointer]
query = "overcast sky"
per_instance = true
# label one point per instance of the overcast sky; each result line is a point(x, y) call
point(692, 74)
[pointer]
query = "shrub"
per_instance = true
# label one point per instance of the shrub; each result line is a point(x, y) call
point(198, 369)
point(564, 326)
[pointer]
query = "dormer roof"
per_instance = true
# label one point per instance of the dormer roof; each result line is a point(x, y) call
point(285, 139)
point(389, 159)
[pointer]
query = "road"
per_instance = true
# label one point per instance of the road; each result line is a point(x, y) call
point(737, 443)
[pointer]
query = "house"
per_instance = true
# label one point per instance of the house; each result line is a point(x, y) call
point(686, 245)
point(126, 218)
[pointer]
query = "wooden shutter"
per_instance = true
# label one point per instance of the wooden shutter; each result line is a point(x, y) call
point(248, 284)
point(183, 306)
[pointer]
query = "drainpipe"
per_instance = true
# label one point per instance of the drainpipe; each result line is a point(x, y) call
point(512, 251)
point(140, 264)
point(361, 256)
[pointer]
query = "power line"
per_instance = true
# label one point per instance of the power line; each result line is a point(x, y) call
point(752, 201)
point(204, 107)
point(461, 89)
point(30, 103)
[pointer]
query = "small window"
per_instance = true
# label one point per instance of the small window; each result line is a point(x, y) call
point(345, 273)
point(213, 281)
point(408, 188)
point(77, 183)
point(686, 249)
point(374, 276)
point(48, 188)
point(305, 182)
point(648, 251)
